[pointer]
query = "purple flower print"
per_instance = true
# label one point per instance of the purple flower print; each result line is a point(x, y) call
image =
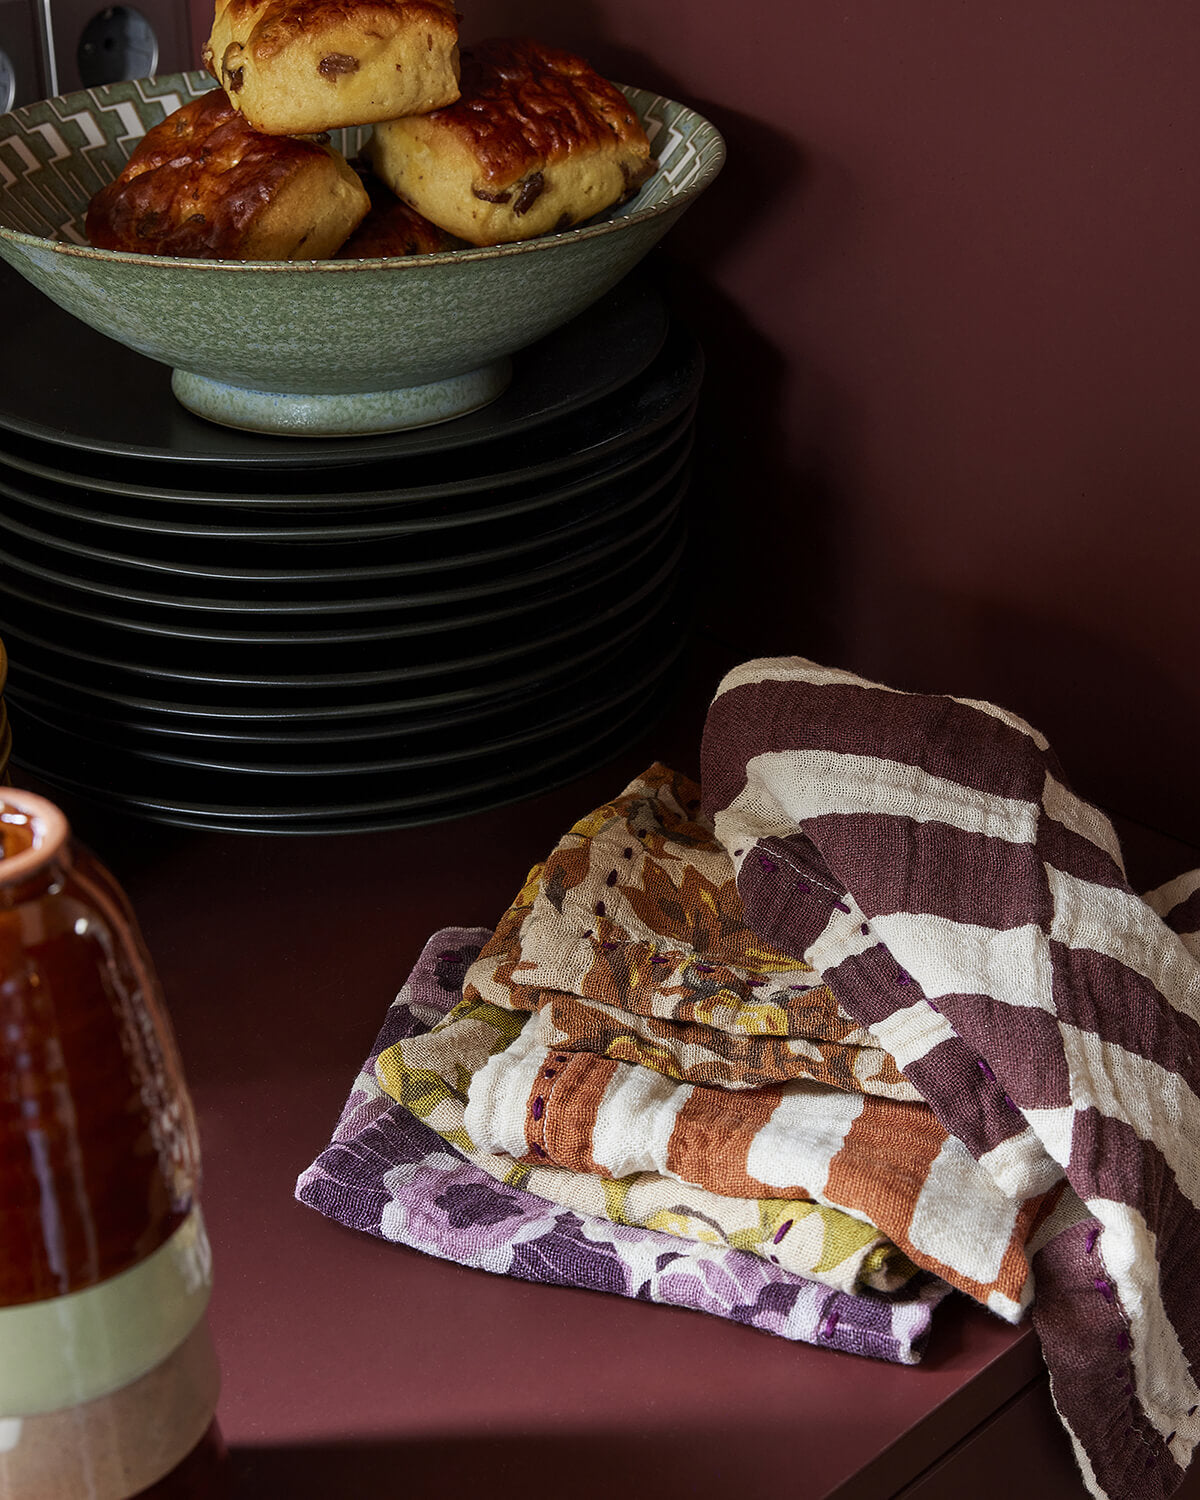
point(565, 1258)
point(475, 1203)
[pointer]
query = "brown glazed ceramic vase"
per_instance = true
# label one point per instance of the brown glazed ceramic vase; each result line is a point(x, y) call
point(107, 1374)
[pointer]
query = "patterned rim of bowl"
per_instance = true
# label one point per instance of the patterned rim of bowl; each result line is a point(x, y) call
point(686, 167)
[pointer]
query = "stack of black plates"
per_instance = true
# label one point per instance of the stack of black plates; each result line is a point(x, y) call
point(222, 630)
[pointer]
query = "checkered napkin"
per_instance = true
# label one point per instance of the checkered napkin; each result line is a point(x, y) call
point(387, 1173)
point(927, 857)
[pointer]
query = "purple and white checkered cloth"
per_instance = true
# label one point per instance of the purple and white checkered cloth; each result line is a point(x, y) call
point(387, 1173)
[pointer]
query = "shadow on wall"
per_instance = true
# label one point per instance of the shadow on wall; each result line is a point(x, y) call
point(1117, 716)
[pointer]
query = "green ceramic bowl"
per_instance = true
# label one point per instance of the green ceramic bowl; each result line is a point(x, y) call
point(316, 347)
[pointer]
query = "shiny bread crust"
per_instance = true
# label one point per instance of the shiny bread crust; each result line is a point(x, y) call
point(537, 141)
point(202, 184)
point(296, 67)
point(393, 229)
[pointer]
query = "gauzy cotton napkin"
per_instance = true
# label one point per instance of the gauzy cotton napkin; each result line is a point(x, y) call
point(926, 855)
point(387, 1173)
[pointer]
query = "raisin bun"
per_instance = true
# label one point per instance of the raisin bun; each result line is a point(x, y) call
point(537, 141)
point(203, 184)
point(392, 228)
point(295, 67)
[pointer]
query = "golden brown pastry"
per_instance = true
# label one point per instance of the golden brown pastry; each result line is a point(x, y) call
point(295, 67)
point(392, 228)
point(203, 184)
point(537, 141)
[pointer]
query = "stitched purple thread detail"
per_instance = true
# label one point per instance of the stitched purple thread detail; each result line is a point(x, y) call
point(737, 853)
point(986, 1071)
point(562, 1056)
point(754, 984)
point(1169, 1438)
point(611, 878)
point(538, 1149)
point(841, 906)
point(539, 1107)
point(1104, 1288)
point(591, 932)
point(608, 947)
point(705, 968)
point(1192, 1411)
point(803, 885)
point(934, 1007)
point(657, 959)
point(550, 1073)
point(767, 863)
point(450, 957)
point(782, 1230)
point(600, 910)
point(903, 977)
point(1009, 1102)
point(1093, 1236)
point(830, 1323)
point(1122, 1340)
point(865, 930)
point(629, 854)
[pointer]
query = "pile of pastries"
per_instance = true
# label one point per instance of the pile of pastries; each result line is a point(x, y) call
point(504, 141)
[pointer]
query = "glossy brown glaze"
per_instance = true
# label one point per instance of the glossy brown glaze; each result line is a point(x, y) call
point(99, 1160)
point(274, 25)
point(524, 105)
point(195, 184)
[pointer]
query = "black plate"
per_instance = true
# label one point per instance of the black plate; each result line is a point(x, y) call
point(195, 574)
point(373, 805)
point(58, 679)
point(187, 631)
point(107, 399)
point(319, 673)
point(579, 442)
point(400, 753)
point(553, 700)
point(135, 521)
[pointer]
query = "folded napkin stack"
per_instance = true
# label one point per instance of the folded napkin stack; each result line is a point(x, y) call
point(873, 1016)
point(387, 1173)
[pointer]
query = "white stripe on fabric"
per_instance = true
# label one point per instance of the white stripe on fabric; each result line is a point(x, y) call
point(1061, 804)
point(1154, 1101)
point(1055, 1128)
point(912, 1033)
point(973, 1243)
point(1021, 1165)
point(806, 1131)
point(1012, 964)
point(1176, 891)
point(635, 1120)
point(498, 1095)
point(1165, 1385)
point(793, 669)
point(1006, 716)
point(1120, 925)
point(818, 783)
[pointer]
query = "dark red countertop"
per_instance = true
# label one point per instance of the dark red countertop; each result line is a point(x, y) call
point(350, 1364)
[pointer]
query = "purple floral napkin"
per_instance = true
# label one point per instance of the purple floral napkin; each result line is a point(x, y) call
point(387, 1173)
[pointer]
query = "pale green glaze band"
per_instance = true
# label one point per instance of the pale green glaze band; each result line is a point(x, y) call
point(66, 1350)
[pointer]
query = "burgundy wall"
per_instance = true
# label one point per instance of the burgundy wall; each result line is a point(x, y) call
point(948, 288)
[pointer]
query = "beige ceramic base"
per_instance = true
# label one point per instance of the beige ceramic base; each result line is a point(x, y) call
point(120, 1444)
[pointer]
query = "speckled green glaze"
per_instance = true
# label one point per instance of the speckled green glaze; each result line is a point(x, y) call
point(341, 415)
point(313, 328)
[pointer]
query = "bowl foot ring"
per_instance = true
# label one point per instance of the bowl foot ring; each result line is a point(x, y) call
point(351, 414)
